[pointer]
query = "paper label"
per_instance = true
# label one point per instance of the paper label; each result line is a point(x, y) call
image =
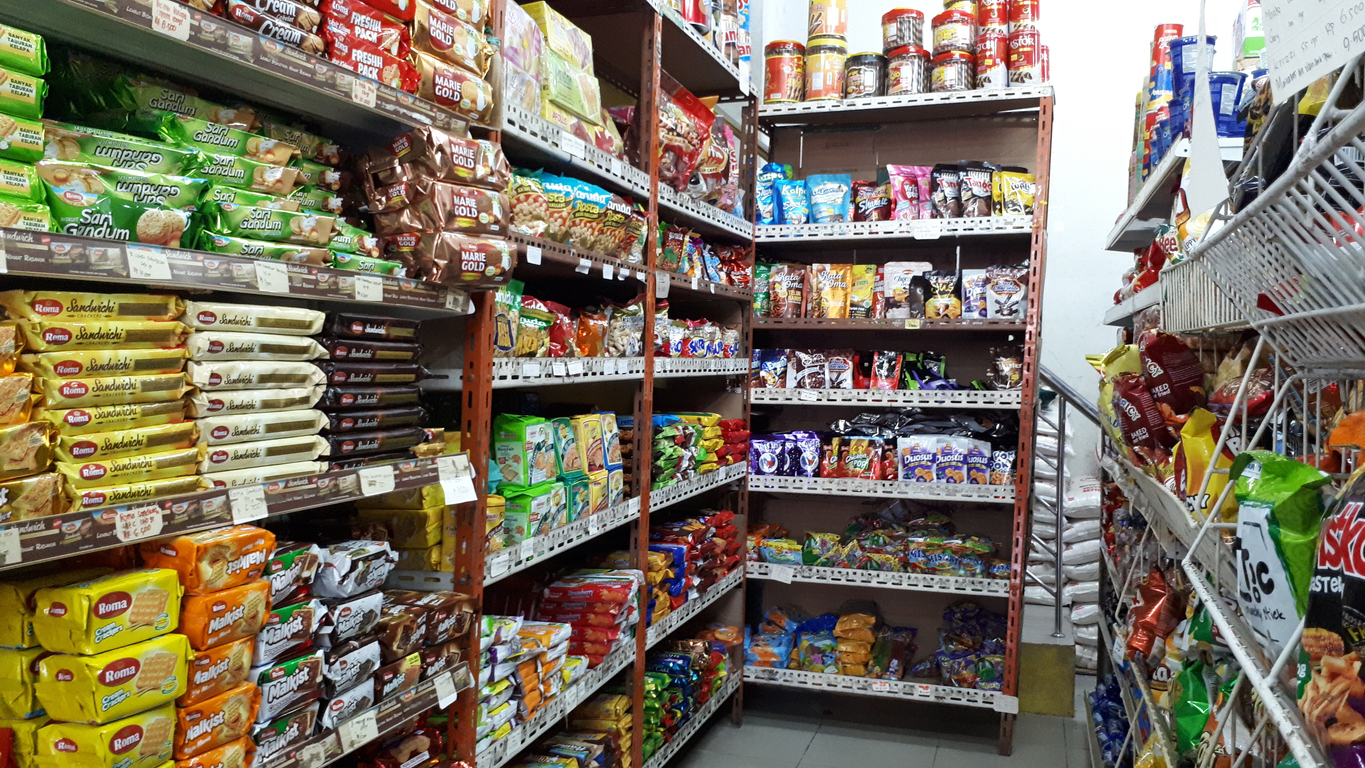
point(745, 75)
point(584, 266)
point(499, 566)
point(138, 523)
point(881, 686)
point(452, 300)
point(147, 263)
point(559, 369)
point(457, 486)
point(782, 573)
point(617, 167)
point(530, 370)
point(273, 277)
point(313, 755)
point(609, 367)
point(248, 503)
point(912, 324)
point(528, 549)
point(807, 395)
point(573, 145)
point(446, 693)
point(607, 272)
point(358, 731)
point(575, 368)
point(4, 260)
point(662, 282)
point(171, 18)
point(364, 91)
point(11, 553)
point(928, 229)
point(367, 288)
point(1306, 39)
point(376, 480)
point(594, 525)
point(695, 282)
point(532, 254)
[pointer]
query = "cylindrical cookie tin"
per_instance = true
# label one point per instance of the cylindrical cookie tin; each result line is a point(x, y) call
point(825, 67)
point(992, 60)
point(968, 6)
point(993, 13)
point(827, 17)
point(865, 75)
point(907, 71)
point(954, 31)
point(952, 71)
point(1026, 57)
point(1023, 14)
point(784, 66)
point(901, 27)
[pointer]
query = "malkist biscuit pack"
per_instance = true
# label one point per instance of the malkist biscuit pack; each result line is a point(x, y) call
point(16, 604)
point(217, 670)
point(138, 741)
point(225, 616)
point(213, 560)
point(109, 612)
point(216, 721)
point(234, 754)
point(114, 684)
point(18, 673)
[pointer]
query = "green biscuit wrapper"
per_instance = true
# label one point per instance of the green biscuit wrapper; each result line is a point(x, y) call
point(21, 139)
point(360, 263)
point(267, 224)
point(75, 182)
point(260, 249)
point(1291, 488)
point(310, 172)
point(117, 150)
point(317, 200)
point(111, 218)
point(21, 180)
point(22, 95)
point(225, 140)
point(142, 93)
point(22, 51)
point(353, 239)
point(24, 214)
point(221, 193)
point(311, 146)
point(246, 173)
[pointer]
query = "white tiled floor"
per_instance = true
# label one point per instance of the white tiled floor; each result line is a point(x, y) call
point(785, 730)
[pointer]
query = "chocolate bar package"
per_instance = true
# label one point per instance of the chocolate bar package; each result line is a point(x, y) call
point(366, 398)
point(347, 663)
point(362, 443)
point(389, 418)
point(379, 351)
point(350, 617)
point(361, 373)
point(371, 327)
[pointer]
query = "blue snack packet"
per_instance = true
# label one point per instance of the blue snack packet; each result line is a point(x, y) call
point(828, 196)
point(765, 193)
point(793, 206)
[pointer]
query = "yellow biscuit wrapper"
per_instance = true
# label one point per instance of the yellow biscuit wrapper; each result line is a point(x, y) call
point(114, 684)
point(18, 672)
point(138, 741)
point(117, 495)
point(28, 498)
point(70, 305)
point(428, 559)
point(55, 336)
point(111, 390)
point(130, 469)
point(25, 449)
point(127, 442)
point(108, 612)
point(106, 418)
point(97, 363)
point(25, 739)
point(16, 601)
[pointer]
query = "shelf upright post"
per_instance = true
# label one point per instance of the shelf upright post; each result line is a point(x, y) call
point(476, 424)
point(1019, 542)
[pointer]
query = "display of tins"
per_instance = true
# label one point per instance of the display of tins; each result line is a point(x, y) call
point(952, 71)
point(954, 31)
point(1026, 57)
point(902, 27)
point(827, 17)
point(1024, 15)
point(784, 64)
point(993, 13)
point(907, 71)
point(825, 58)
point(992, 60)
point(865, 75)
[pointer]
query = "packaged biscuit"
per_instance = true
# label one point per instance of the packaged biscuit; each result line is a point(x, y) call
point(292, 253)
point(115, 150)
point(257, 475)
point(22, 51)
point(105, 418)
point(10, 345)
point(224, 616)
point(356, 263)
point(352, 567)
point(456, 89)
point(261, 453)
point(107, 612)
point(18, 678)
point(137, 741)
point(372, 327)
point(360, 398)
point(28, 498)
point(216, 670)
point(285, 732)
point(379, 351)
point(59, 335)
point(23, 214)
point(252, 318)
point(110, 217)
point(449, 39)
point(114, 684)
point(428, 559)
point(288, 684)
point(239, 753)
point(232, 402)
point(210, 561)
point(227, 345)
point(16, 604)
point(103, 496)
point(349, 702)
point(111, 390)
point(351, 239)
point(588, 430)
point(366, 443)
point(214, 722)
point(25, 449)
point(226, 430)
point(271, 225)
point(83, 184)
point(16, 398)
point(131, 469)
point(245, 173)
point(226, 140)
point(291, 570)
point(21, 181)
point(246, 374)
point(611, 439)
point(408, 528)
point(99, 446)
point(22, 95)
point(400, 675)
point(350, 661)
point(25, 739)
point(222, 193)
point(318, 201)
point(384, 418)
point(449, 614)
point(96, 363)
point(288, 629)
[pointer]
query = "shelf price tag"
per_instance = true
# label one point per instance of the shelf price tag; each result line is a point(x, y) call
point(573, 145)
point(617, 167)
point(928, 229)
point(147, 263)
point(912, 324)
point(364, 91)
point(367, 288)
point(248, 503)
point(608, 272)
point(11, 553)
point(375, 480)
point(452, 300)
point(533, 254)
point(171, 18)
point(695, 282)
point(457, 485)
point(609, 367)
point(575, 367)
point(584, 266)
point(273, 277)
point(4, 260)
point(137, 523)
point(528, 549)
point(594, 525)
point(924, 690)
point(782, 573)
point(807, 395)
point(358, 731)
point(881, 686)
point(446, 693)
point(662, 282)
point(559, 368)
point(530, 370)
point(313, 755)
point(499, 566)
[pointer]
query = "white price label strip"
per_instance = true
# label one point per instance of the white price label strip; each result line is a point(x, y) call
point(594, 525)
point(358, 731)
point(559, 369)
point(138, 523)
point(530, 370)
point(528, 549)
point(446, 692)
point(607, 271)
point(457, 485)
point(807, 395)
point(11, 553)
point(273, 277)
point(928, 229)
point(364, 91)
point(147, 263)
point(452, 300)
point(573, 145)
point(881, 686)
point(248, 503)
point(584, 266)
point(171, 18)
point(376, 480)
point(575, 367)
point(313, 755)
point(499, 566)
point(369, 288)
point(782, 573)
point(617, 167)
point(745, 75)
point(609, 367)
point(532, 254)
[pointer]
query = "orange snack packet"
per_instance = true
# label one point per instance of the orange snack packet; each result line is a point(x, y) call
point(222, 617)
point(234, 754)
point(210, 561)
point(216, 721)
point(216, 670)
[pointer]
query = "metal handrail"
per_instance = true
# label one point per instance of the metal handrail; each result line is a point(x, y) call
point(1086, 405)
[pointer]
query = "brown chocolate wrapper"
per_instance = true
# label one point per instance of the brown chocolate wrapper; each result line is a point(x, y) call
point(456, 89)
point(450, 613)
point(439, 658)
point(301, 15)
point(349, 662)
point(431, 153)
point(275, 28)
point(368, 421)
point(358, 443)
point(401, 631)
point(378, 351)
point(375, 327)
point(398, 676)
point(426, 204)
point(450, 40)
point(357, 462)
point(369, 398)
point(453, 258)
point(366, 373)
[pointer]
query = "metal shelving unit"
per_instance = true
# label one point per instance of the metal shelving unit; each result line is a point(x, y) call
point(695, 723)
point(882, 489)
point(852, 233)
point(890, 398)
point(914, 582)
point(904, 690)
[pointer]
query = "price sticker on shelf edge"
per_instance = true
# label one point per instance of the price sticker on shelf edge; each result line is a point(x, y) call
point(881, 686)
point(573, 145)
point(928, 229)
point(608, 272)
point(313, 755)
point(530, 370)
point(584, 266)
point(364, 91)
point(452, 300)
point(617, 167)
point(528, 549)
point(457, 485)
point(273, 277)
point(912, 324)
point(446, 692)
point(923, 690)
point(4, 260)
point(248, 503)
point(575, 367)
point(375, 480)
point(807, 395)
point(11, 552)
point(137, 523)
point(559, 369)
point(609, 367)
point(498, 567)
point(594, 525)
point(171, 18)
point(368, 288)
point(662, 282)
point(782, 573)
point(532, 254)
point(359, 730)
point(147, 263)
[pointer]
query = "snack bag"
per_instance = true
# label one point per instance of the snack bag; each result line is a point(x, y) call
point(138, 741)
point(1173, 374)
point(114, 684)
point(765, 192)
point(1198, 438)
point(108, 612)
point(828, 196)
point(829, 290)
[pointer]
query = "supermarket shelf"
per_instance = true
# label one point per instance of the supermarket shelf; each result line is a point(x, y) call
point(889, 109)
point(667, 497)
point(538, 257)
point(700, 66)
point(691, 609)
point(1122, 313)
point(694, 723)
point(536, 549)
point(1092, 740)
point(707, 219)
point(391, 715)
point(890, 398)
point(851, 233)
point(904, 690)
point(215, 50)
point(882, 489)
point(535, 142)
point(913, 582)
point(46, 539)
point(683, 367)
point(887, 323)
point(509, 373)
point(54, 255)
point(1120, 666)
point(1136, 228)
point(708, 287)
point(553, 712)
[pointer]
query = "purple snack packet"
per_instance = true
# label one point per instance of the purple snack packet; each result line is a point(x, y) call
point(806, 454)
point(764, 455)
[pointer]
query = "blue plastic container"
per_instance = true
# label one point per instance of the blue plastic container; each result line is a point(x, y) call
point(1225, 88)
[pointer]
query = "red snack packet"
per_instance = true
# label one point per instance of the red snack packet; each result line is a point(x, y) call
point(374, 63)
point(561, 332)
point(1158, 610)
point(359, 23)
point(1139, 419)
point(1173, 374)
